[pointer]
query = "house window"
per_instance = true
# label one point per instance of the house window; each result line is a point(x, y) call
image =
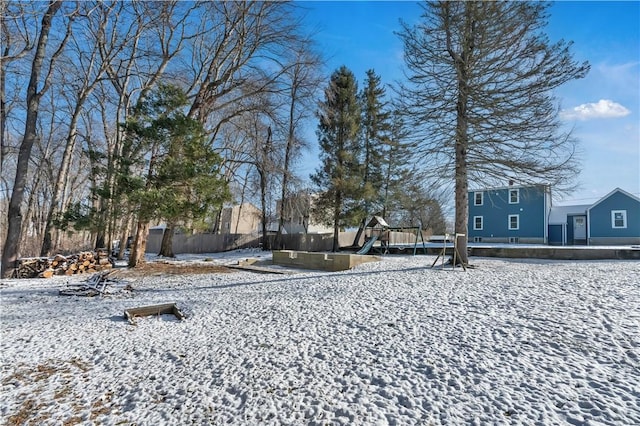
point(514, 196)
point(618, 218)
point(514, 222)
point(514, 240)
point(477, 239)
point(477, 223)
point(478, 198)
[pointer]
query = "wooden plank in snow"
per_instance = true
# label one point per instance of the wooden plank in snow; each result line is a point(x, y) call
point(259, 269)
point(145, 311)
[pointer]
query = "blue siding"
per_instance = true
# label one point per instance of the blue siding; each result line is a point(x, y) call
point(555, 235)
point(600, 216)
point(496, 210)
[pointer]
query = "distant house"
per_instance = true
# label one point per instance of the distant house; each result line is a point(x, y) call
point(513, 214)
point(297, 215)
point(240, 219)
point(525, 214)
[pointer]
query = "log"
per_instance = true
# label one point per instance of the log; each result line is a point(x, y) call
point(63, 265)
point(47, 273)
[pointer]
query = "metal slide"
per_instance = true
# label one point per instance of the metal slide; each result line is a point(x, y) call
point(365, 248)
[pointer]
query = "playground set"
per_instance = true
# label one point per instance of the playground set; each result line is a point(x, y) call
point(380, 237)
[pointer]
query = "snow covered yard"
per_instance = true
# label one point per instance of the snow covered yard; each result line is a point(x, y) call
point(391, 342)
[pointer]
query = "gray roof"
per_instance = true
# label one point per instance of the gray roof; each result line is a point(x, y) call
point(558, 214)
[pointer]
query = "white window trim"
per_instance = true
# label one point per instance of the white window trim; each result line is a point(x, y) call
point(517, 216)
point(475, 227)
point(517, 192)
point(613, 219)
point(475, 200)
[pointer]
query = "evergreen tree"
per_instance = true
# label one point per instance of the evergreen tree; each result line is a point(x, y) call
point(182, 181)
point(396, 166)
point(339, 177)
point(481, 76)
point(375, 127)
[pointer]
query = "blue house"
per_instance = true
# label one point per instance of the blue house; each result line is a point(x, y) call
point(513, 214)
point(614, 219)
point(525, 215)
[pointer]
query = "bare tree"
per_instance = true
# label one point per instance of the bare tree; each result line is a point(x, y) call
point(17, 42)
point(34, 94)
point(235, 68)
point(87, 70)
point(232, 57)
point(301, 81)
point(137, 42)
point(479, 93)
point(232, 60)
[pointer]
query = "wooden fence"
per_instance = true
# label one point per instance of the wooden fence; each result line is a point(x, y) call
point(214, 243)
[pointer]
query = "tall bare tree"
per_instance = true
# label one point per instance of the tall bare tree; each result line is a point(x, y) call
point(300, 85)
point(34, 94)
point(480, 87)
point(87, 71)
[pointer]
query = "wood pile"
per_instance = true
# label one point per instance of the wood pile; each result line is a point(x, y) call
point(81, 263)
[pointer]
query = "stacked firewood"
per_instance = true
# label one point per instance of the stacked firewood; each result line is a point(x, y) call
point(80, 263)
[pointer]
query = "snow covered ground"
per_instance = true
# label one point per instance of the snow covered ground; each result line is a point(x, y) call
point(390, 342)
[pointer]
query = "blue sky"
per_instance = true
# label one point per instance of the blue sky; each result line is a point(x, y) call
point(603, 108)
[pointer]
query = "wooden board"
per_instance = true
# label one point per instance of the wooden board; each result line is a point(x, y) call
point(259, 269)
point(145, 311)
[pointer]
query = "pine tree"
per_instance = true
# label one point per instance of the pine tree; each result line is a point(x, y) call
point(339, 177)
point(375, 127)
point(479, 96)
point(182, 181)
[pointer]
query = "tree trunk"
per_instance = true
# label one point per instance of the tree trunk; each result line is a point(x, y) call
point(336, 224)
point(140, 245)
point(462, 185)
point(263, 201)
point(14, 213)
point(3, 83)
point(216, 223)
point(61, 180)
point(124, 238)
point(287, 159)
point(461, 206)
point(462, 140)
point(262, 170)
point(166, 248)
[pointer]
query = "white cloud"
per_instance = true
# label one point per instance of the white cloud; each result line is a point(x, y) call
point(604, 108)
